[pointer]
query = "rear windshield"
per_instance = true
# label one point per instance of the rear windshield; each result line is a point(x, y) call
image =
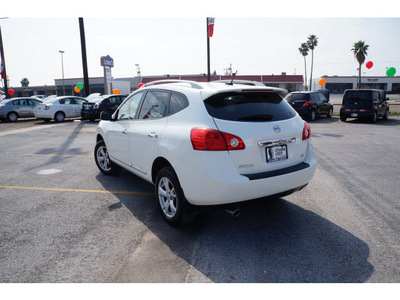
point(299, 97)
point(249, 107)
point(357, 96)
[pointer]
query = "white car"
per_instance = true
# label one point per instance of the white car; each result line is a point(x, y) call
point(205, 144)
point(59, 108)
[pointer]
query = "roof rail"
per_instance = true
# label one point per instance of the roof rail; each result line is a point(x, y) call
point(193, 84)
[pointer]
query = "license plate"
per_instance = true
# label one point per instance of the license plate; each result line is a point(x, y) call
point(354, 115)
point(276, 153)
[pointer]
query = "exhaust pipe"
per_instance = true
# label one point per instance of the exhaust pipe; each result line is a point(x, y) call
point(234, 212)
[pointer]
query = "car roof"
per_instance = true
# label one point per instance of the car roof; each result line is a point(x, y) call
point(209, 88)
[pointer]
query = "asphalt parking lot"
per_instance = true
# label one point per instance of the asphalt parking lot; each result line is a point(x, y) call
point(61, 220)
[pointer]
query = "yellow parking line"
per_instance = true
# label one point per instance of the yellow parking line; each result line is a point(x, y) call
point(55, 155)
point(73, 190)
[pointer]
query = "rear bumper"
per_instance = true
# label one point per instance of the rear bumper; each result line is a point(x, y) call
point(356, 114)
point(90, 114)
point(213, 186)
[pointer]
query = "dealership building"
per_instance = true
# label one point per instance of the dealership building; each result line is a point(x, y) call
point(338, 84)
point(128, 84)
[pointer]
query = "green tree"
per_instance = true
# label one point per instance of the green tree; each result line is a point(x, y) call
point(360, 51)
point(312, 42)
point(25, 82)
point(304, 51)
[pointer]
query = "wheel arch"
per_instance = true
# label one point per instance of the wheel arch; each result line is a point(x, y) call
point(158, 164)
point(10, 112)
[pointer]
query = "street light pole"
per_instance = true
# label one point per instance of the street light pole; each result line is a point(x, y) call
point(62, 67)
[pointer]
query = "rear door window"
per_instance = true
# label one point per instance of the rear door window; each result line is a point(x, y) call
point(249, 107)
point(154, 105)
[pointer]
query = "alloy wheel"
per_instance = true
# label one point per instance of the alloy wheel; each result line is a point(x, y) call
point(167, 197)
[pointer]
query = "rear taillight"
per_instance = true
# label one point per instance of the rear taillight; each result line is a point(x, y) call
point(306, 131)
point(96, 106)
point(308, 103)
point(214, 140)
point(47, 107)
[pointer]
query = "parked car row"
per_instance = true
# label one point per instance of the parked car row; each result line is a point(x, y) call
point(59, 108)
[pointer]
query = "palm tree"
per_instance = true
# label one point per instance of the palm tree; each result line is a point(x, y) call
point(24, 82)
point(304, 51)
point(312, 42)
point(360, 51)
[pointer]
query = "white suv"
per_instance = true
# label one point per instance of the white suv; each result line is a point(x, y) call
point(206, 144)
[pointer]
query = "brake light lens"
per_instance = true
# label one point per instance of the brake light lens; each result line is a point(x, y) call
point(96, 106)
point(306, 131)
point(308, 103)
point(47, 107)
point(214, 140)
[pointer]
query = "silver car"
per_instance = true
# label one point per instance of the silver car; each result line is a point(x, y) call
point(59, 108)
point(12, 109)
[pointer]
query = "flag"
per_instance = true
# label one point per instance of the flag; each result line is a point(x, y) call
point(2, 68)
point(210, 27)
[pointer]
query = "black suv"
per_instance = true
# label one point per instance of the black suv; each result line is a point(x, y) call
point(310, 104)
point(92, 109)
point(368, 104)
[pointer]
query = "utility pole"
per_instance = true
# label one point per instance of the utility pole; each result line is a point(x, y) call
point(62, 68)
point(84, 60)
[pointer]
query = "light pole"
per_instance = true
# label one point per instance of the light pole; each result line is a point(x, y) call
point(62, 67)
point(138, 72)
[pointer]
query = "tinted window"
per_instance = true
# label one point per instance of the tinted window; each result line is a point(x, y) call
point(299, 97)
point(250, 107)
point(357, 96)
point(154, 105)
point(128, 110)
point(177, 103)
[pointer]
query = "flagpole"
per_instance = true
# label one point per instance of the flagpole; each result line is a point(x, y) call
point(208, 53)
point(3, 69)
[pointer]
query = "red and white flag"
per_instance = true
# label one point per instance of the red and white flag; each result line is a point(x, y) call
point(210, 27)
point(2, 73)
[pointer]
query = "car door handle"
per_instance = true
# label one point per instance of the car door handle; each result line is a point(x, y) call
point(153, 135)
point(125, 131)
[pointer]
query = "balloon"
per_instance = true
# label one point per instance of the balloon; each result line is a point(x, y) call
point(11, 92)
point(390, 72)
point(369, 64)
point(79, 85)
point(77, 90)
point(140, 85)
point(322, 81)
point(116, 92)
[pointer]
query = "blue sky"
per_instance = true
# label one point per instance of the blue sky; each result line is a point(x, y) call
point(175, 43)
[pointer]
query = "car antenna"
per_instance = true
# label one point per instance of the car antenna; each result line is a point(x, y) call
point(233, 77)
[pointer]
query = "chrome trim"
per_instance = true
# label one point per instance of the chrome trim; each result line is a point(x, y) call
point(275, 142)
point(130, 165)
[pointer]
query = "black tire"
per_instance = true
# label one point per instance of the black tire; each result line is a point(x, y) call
point(374, 117)
point(386, 115)
point(59, 117)
point(171, 201)
point(102, 159)
point(12, 117)
point(313, 115)
point(330, 113)
point(343, 119)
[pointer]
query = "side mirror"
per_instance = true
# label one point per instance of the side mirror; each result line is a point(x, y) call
point(105, 116)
